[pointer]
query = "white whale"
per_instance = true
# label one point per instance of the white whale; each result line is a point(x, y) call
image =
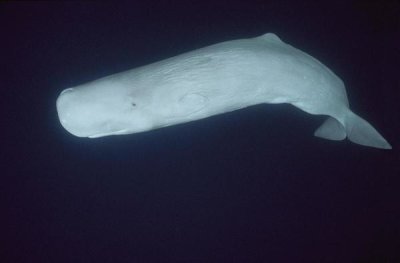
point(216, 79)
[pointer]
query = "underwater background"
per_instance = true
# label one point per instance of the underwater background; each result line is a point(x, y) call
point(252, 185)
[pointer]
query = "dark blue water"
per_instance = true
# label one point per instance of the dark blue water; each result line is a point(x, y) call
point(249, 186)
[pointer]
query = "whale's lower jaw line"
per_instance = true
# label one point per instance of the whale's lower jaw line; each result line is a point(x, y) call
point(97, 135)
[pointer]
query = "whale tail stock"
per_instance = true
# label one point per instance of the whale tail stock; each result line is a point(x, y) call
point(355, 129)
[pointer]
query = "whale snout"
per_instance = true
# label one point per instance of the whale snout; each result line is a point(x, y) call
point(63, 100)
point(65, 112)
point(69, 90)
point(86, 114)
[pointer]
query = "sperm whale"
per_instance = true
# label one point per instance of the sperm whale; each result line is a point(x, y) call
point(213, 80)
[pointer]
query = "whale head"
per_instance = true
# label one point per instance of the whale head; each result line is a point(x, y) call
point(100, 110)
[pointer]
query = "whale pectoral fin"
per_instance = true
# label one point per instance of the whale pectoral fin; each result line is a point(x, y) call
point(355, 129)
point(360, 131)
point(331, 129)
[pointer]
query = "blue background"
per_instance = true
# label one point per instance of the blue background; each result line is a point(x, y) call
point(249, 186)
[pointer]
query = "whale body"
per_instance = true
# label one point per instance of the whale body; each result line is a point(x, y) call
point(213, 80)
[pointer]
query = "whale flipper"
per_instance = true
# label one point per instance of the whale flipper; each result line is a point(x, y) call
point(331, 129)
point(360, 131)
point(355, 129)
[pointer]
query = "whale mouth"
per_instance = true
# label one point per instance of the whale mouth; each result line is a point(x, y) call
point(97, 135)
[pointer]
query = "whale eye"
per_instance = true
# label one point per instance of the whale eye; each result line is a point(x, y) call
point(133, 104)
